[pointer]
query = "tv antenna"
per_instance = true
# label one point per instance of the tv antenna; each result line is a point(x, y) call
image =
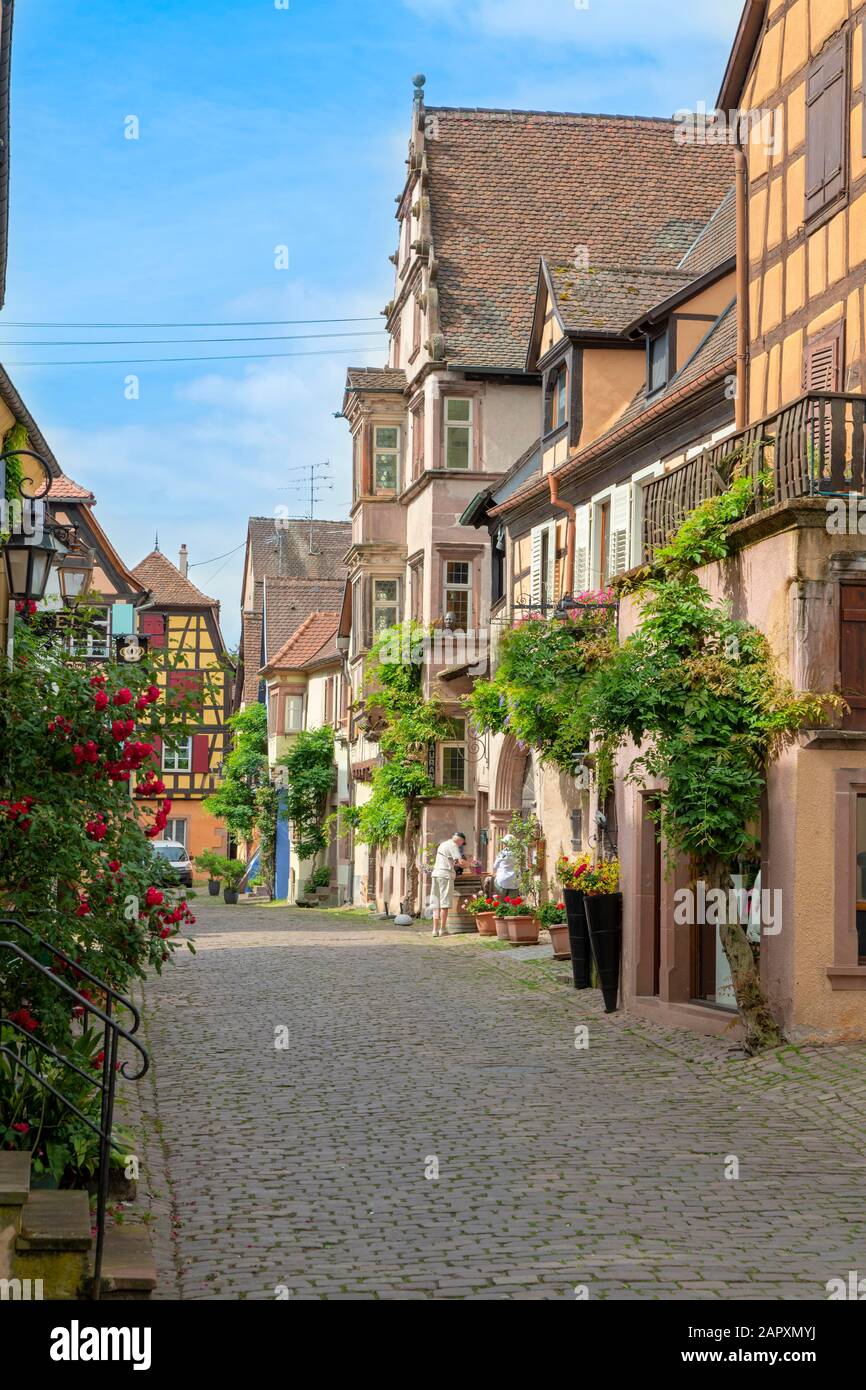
point(316, 481)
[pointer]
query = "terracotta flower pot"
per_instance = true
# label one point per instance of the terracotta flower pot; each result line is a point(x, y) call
point(486, 923)
point(522, 931)
point(501, 927)
point(559, 940)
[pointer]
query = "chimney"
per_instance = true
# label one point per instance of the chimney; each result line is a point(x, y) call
point(184, 560)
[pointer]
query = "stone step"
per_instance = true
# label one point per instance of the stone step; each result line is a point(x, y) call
point(128, 1265)
point(54, 1242)
point(14, 1179)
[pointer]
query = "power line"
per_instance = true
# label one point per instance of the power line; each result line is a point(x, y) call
point(227, 357)
point(227, 323)
point(197, 563)
point(158, 342)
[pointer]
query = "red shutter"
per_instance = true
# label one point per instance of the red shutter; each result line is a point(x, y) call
point(152, 626)
point(157, 748)
point(200, 755)
point(187, 683)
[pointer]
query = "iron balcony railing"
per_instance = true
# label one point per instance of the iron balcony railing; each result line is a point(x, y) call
point(112, 1033)
point(815, 447)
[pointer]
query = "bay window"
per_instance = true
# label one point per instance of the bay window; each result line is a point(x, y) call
point(385, 604)
point(386, 458)
point(458, 592)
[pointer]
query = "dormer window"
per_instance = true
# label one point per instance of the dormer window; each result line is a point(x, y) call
point(657, 361)
point(557, 395)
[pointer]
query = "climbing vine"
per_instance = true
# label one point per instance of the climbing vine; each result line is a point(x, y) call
point(408, 723)
point(309, 768)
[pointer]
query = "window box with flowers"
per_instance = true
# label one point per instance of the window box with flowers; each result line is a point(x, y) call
point(552, 916)
point(570, 873)
point(519, 920)
point(602, 903)
point(483, 909)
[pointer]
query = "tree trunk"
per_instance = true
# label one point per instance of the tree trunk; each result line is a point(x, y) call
point(762, 1030)
point(411, 850)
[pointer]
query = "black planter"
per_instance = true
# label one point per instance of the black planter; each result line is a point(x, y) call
point(604, 920)
point(230, 895)
point(213, 887)
point(578, 937)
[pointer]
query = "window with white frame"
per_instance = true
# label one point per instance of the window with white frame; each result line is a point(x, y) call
point(177, 758)
point(385, 604)
point(386, 458)
point(458, 592)
point(175, 829)
point(293, 718)
point(458, 432)
point(453, 767)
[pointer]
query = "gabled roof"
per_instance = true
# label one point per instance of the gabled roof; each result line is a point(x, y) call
point(505, 186)
point(280, 549)
point(167, 584)
point(712, 361)
point(604, 300)
point(38, 442)
point(305, 643)
point(745, 43)
point(287, 603)
point(64, 489)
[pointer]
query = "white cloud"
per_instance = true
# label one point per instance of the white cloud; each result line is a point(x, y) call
point(602, 25)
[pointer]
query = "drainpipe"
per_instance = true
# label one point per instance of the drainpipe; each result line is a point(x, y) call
point(741, 404)
point(568, 508)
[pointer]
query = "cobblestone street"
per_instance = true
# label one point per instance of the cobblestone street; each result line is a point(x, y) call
point(304, 1168)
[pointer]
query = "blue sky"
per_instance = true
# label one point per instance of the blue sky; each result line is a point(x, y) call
point(259, 126)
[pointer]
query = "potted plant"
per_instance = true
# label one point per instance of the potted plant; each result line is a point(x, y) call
point(210, 862)
point(483, 910)
point(232, 871)
point(320, 880)
point(520, 921)
point(602, 904)
point(570, 873)
point(552, 916)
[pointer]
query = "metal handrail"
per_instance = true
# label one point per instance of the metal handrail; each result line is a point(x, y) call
point(112, 1032)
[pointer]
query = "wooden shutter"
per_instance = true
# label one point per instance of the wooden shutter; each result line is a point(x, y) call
point(619, 558)
point(186, 683)
point(852, 652)
point(535, 567)
point(822, 371)
point(152, 626)
point(200, 753)
point(581, 550)
point(826, 120)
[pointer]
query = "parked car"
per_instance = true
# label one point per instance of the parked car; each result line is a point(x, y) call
point(175, 854)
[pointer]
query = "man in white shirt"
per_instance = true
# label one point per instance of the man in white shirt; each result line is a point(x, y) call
point(449, 856)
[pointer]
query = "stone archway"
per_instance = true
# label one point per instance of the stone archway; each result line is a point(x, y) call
point(514, 770)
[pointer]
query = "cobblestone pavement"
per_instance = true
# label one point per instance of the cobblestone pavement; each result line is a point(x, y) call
point(303, 1168)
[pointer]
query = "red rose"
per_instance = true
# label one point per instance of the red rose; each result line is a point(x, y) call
point(83, 908)
point(122, 696)
point(100, 699)
point(114, 865)
point(153, 897)
point(118, 730)
point(166, 931)
point(21, 1128)
point(153, 693)
point(97, 680)
point(560, 907)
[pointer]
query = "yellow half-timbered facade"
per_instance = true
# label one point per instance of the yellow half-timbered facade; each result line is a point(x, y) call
point(182, 621)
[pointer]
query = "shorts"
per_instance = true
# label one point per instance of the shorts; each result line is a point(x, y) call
point(441, 891)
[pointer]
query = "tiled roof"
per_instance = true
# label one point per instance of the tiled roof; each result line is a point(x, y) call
point(168, 585)
point(506, 186)
point(316, 629)
point(281, 550)
point(717, 242)
point(375, 379)
point(250, 655)
point(327, 653)
point(288, 602)
point(712, 360)
point(64, 489)
point(606, 299)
